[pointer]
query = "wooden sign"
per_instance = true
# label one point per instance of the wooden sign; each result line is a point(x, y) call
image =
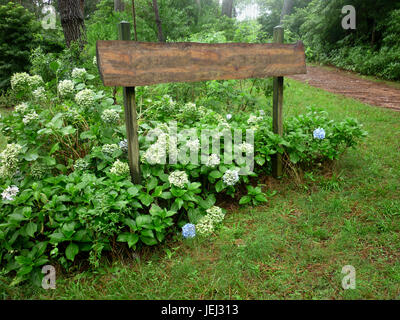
point(130, 64)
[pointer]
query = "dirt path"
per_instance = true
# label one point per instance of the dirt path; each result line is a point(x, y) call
point(350, 85)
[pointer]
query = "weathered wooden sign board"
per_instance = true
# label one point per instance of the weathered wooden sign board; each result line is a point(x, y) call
point(129, 64)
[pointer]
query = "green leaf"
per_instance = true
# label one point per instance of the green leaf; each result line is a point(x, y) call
point(294, 157)
point(130, 223)
point(157, 191)
point(179, 202)
point(152, 183)
point(31, 156)
point(260, 198)
point(31, 228)
point(87, 135)
point(130, 238)
point(177, 192)
point(208, 202)
point(71, 251)
point(49, 161)
point(166, 195)
point(146, 199)
point(215, 174)
point(57, 237)
point(22, 260)
point(194, 185)
point(24, 270)
point(56, 122)
point(155, 210)
point(68, 130)
point(219, 186)
point(54, 148)
point(148, 241)
point(245, 200)
point(143, 221)
point(133, 191)
point(54, 66)
point(147, 233)
point(260, 160)
point(194, 215)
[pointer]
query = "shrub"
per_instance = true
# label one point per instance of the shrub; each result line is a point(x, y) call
point(17, 37)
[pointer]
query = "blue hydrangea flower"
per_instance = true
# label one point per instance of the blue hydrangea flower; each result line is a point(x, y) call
point(319, 133)
point(189, 230)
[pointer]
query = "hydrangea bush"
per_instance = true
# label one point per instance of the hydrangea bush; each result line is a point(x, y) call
point(64, 174)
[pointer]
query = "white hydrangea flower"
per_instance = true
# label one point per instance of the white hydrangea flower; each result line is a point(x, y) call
point(28, 118)
point(253, 119)
point(39, 94)
point(110, 116)
point(9, 160)
point(78, 73)
point(22, 108)
point(120, 168)
point(205, 226)
point(109, 148)
point(246, 148)
point(178, 178)
point(35, 81)
point(9, 156)
point(72, 115)
point(189, 108)
point(213, 160)
point(193, 144)
point(216, 215)
point(20, 81)
point(224, 125)
point(262, 113)
point(38, 170)
point(10, 193)
point(156, 154)
point(81, 164)
point(202, 111)
point(85, 98)
point(66, 88)
point(228, 116)
point(167, 103)
point(230, 177)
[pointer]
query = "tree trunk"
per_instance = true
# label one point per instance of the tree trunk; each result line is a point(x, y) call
point(158, 22)
point(119, 5)
point(72, 21)
point(286, 9)
point(227, 8)
point(134, 19)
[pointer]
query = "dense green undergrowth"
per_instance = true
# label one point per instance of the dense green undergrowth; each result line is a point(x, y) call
point(66, 191)
point(293, 247)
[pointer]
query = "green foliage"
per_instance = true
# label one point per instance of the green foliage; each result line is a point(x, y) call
point(17, 37)
point(74, 198)
point(254, 197)
point(372, 49)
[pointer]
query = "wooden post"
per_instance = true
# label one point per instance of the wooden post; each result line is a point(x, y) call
point(131, 116)
point(277, 109)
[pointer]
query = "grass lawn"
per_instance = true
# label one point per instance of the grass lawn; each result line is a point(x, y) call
point(294, 247)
